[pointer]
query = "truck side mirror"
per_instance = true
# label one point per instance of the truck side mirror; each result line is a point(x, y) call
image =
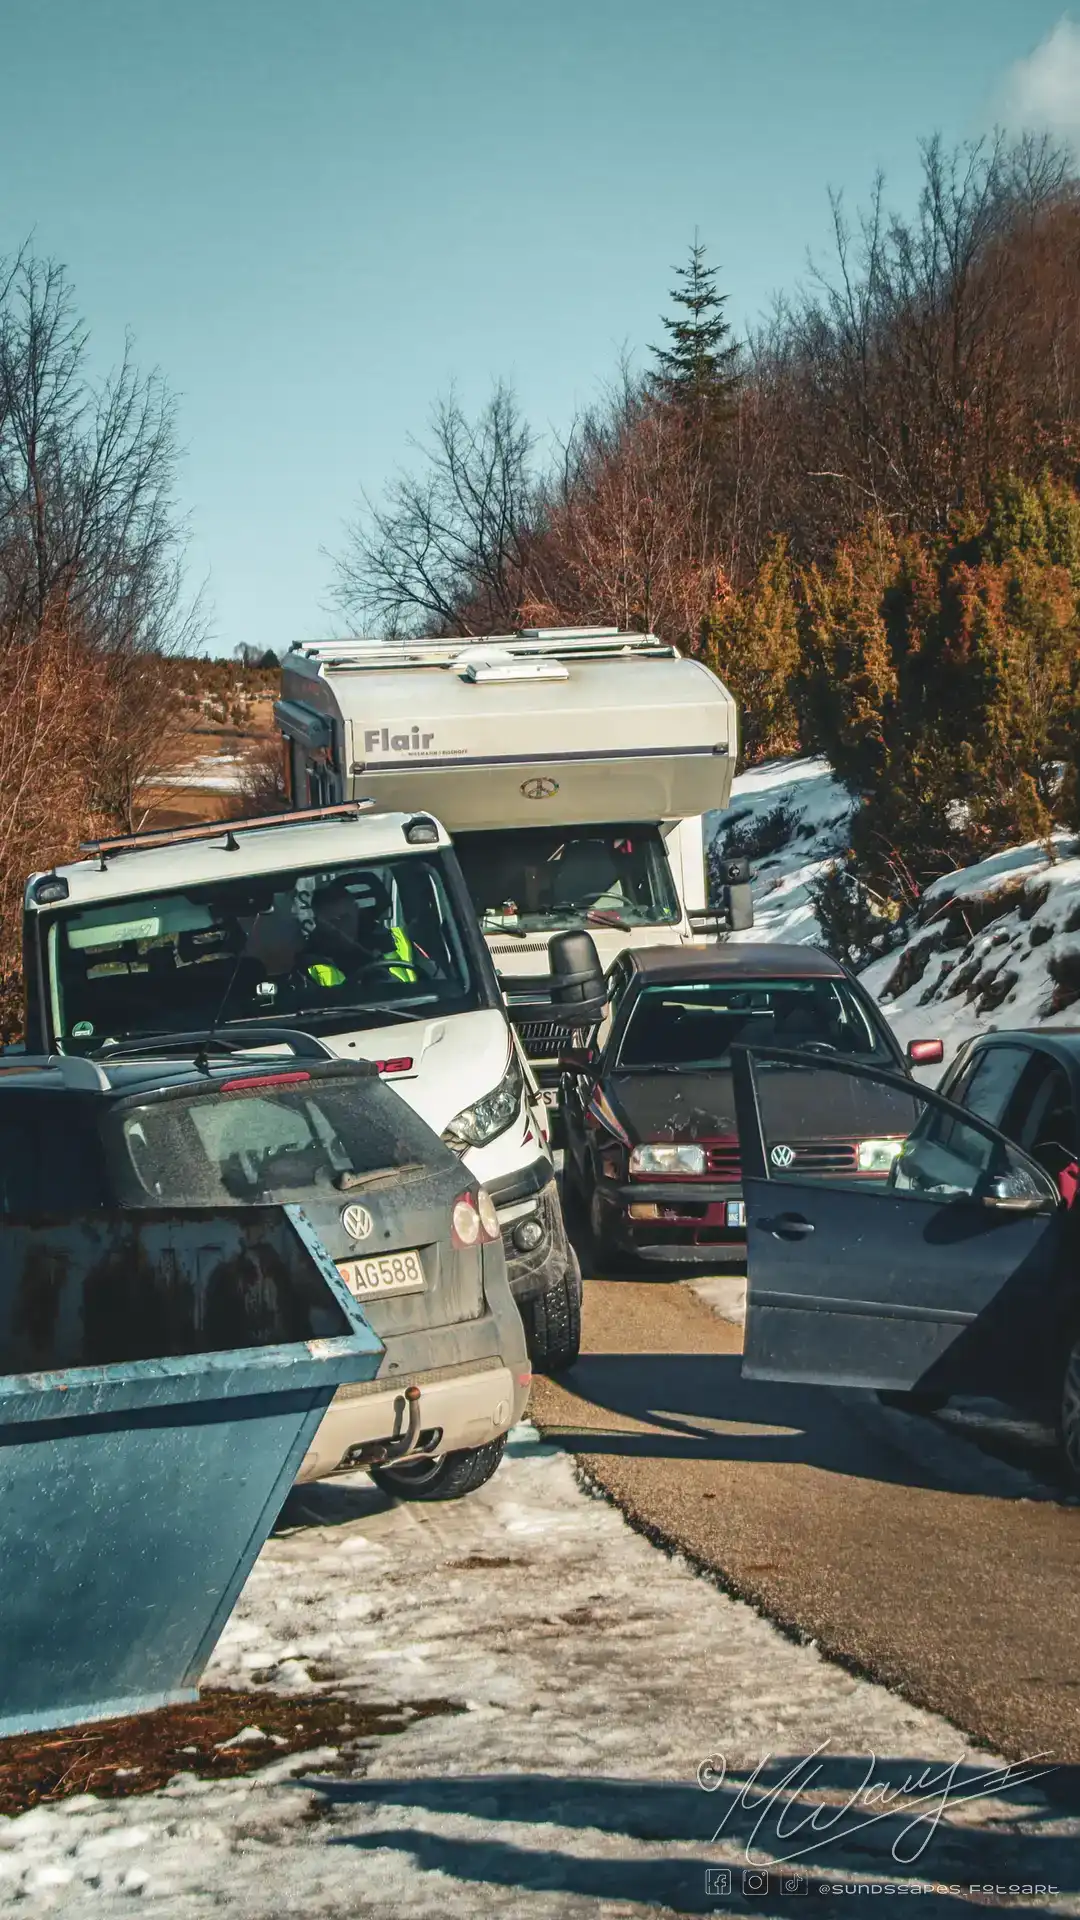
point(577, 978)
point(577, 1059)
point(737, 895)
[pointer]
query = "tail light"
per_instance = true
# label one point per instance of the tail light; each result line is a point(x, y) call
point(473, 1221)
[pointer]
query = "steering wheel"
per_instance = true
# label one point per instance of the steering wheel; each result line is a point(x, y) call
point(816, 1046)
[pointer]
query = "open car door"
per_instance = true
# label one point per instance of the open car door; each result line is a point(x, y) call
point(926, 1266)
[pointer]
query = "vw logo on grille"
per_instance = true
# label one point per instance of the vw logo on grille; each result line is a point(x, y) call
point(357, 1222)
point(782, 1156)
point(539, 789)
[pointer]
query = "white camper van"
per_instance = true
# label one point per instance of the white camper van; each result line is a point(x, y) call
point(347, 923)
point(572, 766)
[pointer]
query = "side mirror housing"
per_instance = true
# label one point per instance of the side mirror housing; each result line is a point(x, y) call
point(577, 978)
point(926, 1053)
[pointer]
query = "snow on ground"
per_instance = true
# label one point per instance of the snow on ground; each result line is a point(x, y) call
point(820, 810)
point(210, 773)
point(596, 1676)
point(992, 944)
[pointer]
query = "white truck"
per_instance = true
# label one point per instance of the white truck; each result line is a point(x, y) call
point(572, 766)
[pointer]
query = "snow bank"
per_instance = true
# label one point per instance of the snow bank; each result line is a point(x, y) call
point(819, 811)
point(997, 945)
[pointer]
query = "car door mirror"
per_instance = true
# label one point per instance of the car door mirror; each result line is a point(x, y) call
point(926, 1053)
point(577, 978)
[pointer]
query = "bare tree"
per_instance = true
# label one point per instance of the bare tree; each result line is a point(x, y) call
point(449, 550)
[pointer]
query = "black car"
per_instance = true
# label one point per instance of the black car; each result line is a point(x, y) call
point(959, 1274)
point(413, 1238)
point(652, 1139)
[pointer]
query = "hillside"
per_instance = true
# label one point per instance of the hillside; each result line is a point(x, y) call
point(993, 945)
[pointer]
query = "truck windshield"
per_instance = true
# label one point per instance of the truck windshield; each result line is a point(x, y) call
point(696, 1023)
point(568, 876)
point(345, 947)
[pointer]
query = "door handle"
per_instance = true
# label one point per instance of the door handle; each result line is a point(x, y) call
point(788, 1226)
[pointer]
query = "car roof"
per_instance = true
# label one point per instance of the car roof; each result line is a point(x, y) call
point(300, 846)
point(118, 1079)
point(734, 960)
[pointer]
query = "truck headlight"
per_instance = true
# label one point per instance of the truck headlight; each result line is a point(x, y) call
point(877, 1156)
point(474, 1126)
point(658, 1159)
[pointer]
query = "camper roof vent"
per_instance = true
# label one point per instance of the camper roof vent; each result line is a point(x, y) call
point(482, 665)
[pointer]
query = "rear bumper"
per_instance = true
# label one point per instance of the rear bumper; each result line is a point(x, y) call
point(463, 1405)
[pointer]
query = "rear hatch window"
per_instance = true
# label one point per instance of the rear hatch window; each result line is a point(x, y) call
point(249, 1141)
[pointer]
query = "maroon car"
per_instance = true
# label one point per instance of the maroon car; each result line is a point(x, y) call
point(652, 1147)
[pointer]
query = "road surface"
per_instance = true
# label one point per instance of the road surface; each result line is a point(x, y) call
point(896, 1546)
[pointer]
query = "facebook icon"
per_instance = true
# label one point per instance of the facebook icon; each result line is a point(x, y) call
point(717, 1881)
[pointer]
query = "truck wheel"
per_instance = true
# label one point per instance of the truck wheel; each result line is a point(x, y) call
point(1069, 1411)
point(552, 1322)
point(446, 1477)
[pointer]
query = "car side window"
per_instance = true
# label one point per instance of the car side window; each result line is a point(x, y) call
point(19, 1158)
point(991, 1081)
point(1042, 1116)
point(50, 1156)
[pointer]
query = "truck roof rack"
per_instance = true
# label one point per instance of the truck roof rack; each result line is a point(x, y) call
point(216, 829)
point(553, 643)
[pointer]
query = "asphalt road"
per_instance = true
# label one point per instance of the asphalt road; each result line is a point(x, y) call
point(893, 1544)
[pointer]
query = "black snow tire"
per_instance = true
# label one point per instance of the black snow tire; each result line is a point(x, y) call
point(448, 1476)
point(552, 1322)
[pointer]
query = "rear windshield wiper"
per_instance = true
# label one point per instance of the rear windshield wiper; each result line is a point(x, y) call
point(379, 1176)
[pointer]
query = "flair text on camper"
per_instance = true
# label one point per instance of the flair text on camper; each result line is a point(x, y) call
point(381, 740)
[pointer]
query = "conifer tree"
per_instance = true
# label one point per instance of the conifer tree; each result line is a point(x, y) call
point(696, 371)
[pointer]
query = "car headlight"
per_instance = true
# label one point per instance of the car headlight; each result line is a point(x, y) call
point(877, 1156)
point(657, 1159)
point(474, 1126)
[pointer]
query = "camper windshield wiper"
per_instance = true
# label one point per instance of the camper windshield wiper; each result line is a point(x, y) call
point(519, 933)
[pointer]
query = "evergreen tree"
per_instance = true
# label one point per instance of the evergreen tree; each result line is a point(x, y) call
point(696, 371)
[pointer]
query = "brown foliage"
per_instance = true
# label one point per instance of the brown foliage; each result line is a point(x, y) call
point(50, 696)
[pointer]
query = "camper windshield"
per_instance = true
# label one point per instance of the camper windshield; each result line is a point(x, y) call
point(566, 876)
point(346, 947)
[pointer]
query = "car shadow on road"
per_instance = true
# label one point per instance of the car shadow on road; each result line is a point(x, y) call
point(695, 1406)
point(859, 1835)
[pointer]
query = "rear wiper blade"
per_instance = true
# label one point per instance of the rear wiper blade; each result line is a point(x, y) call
point(380, 1176)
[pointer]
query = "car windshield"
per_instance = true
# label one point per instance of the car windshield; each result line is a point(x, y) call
point(565, 876)
point(255, 1147)
point(696, 1023)
point(344, 947)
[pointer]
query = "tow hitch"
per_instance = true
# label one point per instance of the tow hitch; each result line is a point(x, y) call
point(375, 1453)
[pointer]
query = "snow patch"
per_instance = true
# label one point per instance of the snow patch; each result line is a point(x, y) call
point(820, 808)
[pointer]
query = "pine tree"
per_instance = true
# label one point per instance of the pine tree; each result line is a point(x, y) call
point(696, 371)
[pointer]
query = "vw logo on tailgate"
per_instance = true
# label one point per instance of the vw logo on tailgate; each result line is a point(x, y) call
point(782, 1156)
point(357, 1222)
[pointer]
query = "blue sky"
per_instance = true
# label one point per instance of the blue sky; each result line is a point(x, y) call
point(314, 217)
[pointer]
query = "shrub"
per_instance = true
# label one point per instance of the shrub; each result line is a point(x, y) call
point(857, 925)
